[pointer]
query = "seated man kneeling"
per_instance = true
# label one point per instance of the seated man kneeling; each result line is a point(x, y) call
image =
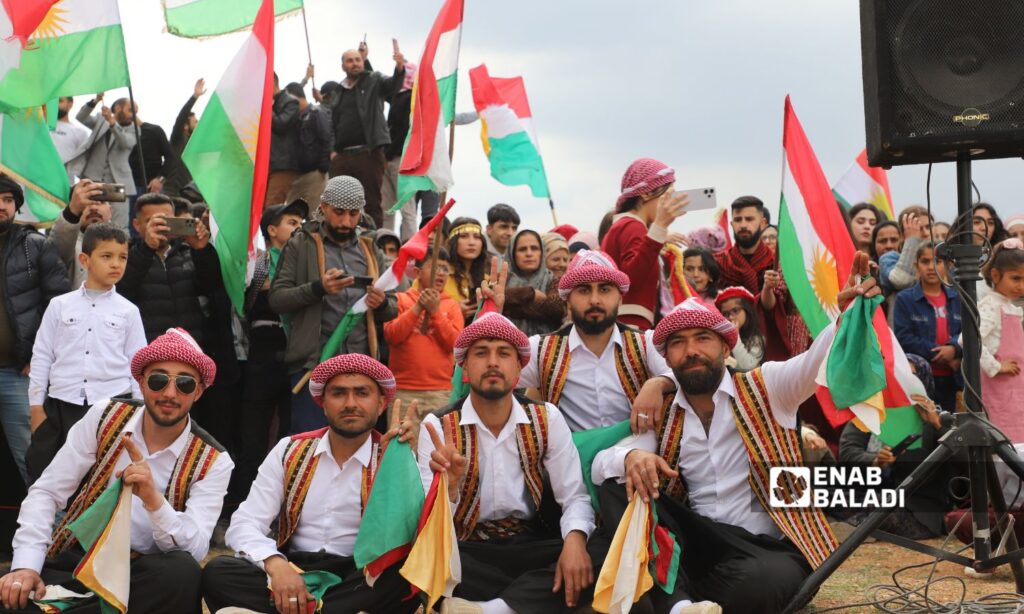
point(315, 485)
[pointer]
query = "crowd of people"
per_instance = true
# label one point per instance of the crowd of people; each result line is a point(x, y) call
point(692, 338)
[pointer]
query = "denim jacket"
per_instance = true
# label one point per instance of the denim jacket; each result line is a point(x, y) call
point(914, 321)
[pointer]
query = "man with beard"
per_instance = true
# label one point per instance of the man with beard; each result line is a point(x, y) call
point(747, 261)
point(504, 454)
point(315, 485)
point(104, 156)
point(179, 475)
point(70, 227)
point(31, 274)
point(316, 285)
point(710, 456)
point(594, 367)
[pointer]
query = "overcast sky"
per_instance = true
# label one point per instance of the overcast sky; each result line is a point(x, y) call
point(699, 85)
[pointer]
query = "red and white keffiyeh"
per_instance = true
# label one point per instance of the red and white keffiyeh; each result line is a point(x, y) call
point(643, 177)
point(694, 313)
point(175, 345)
point(492, 326)
point(351, 363)
point(591, 266)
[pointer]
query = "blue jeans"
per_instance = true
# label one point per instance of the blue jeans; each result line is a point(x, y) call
point(14, 415)
point(306, 415)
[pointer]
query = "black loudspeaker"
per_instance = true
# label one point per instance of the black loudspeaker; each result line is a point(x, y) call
point(942, 76)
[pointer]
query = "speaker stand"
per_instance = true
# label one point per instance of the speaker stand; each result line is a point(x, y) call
point(971, 432)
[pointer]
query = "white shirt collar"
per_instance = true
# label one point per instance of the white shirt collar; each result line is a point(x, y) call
point(726, 388)
point(576, 341)
point(999, 298)
point(134, 427)
point(470, 416)
point(107, 294)
point(362, 455)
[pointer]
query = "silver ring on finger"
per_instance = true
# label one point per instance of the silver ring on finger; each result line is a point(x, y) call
point(642, 416)
point(16, 583)
point(293, 600)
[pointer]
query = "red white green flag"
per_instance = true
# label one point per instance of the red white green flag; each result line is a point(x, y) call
point(864, 184)
point(229, 152)
point(425, 164)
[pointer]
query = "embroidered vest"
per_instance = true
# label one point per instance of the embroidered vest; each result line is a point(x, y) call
point(300, 460)
point(553, 362)
point(199, 454)
point(768, 444)
point(532, 440)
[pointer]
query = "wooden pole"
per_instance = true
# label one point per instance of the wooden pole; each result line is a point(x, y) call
point(554, 217)
point(439, 233)
point(309, 51)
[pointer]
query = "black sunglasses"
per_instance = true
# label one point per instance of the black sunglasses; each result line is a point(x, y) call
point(186, 384)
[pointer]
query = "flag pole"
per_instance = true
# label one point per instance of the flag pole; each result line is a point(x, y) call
point(138, 136)
point(554, 216)
point(309, 51)
point(439, 233)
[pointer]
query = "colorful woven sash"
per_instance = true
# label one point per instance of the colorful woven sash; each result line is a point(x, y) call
point(532, 440)
point(192, 465)
point(300, 460)
point(768, 444)
point(553, 358)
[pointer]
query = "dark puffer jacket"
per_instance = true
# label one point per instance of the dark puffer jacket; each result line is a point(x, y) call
point(33, 274)
point(167, 291)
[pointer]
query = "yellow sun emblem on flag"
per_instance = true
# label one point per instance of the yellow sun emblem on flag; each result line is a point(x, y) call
point(824, 278)
point(51, 27)
point(878, 199)
point(250, 136)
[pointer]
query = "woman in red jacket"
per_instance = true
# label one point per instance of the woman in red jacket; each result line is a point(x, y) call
point(644, 210)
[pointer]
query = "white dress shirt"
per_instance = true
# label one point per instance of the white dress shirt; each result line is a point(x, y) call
point(68, 137)
point(593, 395)
point(331, 512)
point(161, 531)
point(991, 309)
point(84, 347)
point(503, 492)
point(715, 465)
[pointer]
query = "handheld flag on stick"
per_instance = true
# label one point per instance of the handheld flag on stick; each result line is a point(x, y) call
point(433, 565)
point(413, 250)
point(229, 153)
point(50, 49)
point(864, 184)
point(425, 163)
point(198, 18)
point(507, 131)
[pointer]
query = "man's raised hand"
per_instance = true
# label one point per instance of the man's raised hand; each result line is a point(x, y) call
point(643, 471)
point(447, 459)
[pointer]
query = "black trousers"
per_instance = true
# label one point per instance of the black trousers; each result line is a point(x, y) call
point(521, 571)
point(266, 392)
point(231, 581)
point(164, 583)
point(368, 167)
point(720, 562)
point(51, 434)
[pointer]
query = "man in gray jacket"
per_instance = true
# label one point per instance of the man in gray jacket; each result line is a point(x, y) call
point(360, 128)
point(104, 157)
point(323, 270)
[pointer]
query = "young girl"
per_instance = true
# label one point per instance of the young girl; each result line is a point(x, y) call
point(469, 261)
point(738, 305)
point(1002, 339)
point(702, 271)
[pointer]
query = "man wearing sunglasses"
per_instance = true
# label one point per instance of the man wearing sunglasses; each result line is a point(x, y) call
point(179, 475)
point(315, 485)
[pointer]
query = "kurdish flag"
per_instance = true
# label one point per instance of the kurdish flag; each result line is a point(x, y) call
point(865, 372)
point(198, 18)
point(864, 184)
point(413, 250)
point(642, 554)
point(433, 565)
point(105, 531)
point(818, 250)
point(77, 48)
point(392, 512)
point(507, 131)
point(229, 152)
point(28, 155)
point(425, 164)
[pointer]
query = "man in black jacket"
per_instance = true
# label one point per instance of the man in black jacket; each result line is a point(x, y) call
point(32, 274)
point(178, 175)
point(314, 152)
point(360, 130)
point(284, 146)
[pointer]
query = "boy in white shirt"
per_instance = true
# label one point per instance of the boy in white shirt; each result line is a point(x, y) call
point(84, 346)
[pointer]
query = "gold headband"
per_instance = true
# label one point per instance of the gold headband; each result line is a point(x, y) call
point(463, 229)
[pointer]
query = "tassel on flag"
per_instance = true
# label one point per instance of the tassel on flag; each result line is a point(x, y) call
point(679, 284)
point(433, 565)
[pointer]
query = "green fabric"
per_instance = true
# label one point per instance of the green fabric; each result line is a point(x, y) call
point(515, 161)
point(794, 270)
point(275, 255)
point(341, 331)
point(673, 568)
point(88, 527)
point(393, 510)
point(855, 369)
point(900, 422)
point(318, 583)
point(213, 17)
point(28, 154)
point(590, 442)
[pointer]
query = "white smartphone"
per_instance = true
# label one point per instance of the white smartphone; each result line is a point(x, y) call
point(699, 198)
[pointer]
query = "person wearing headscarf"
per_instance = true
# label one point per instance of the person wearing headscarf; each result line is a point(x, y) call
point(178, 475)
point(556, 253)
point(315, 487)
point(515, 556)
point(531, 296)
